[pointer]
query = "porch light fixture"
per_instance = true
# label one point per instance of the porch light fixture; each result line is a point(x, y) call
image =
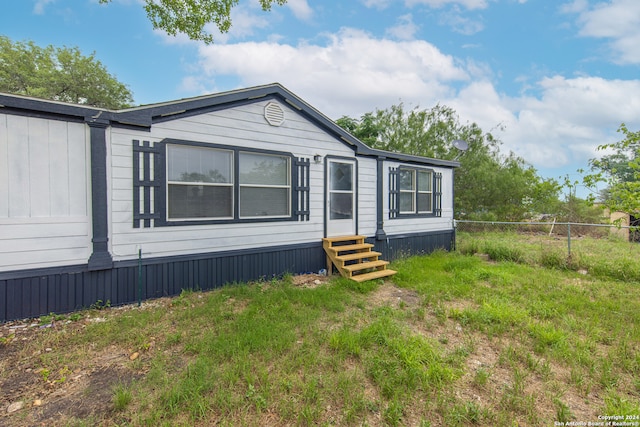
point(317, 158)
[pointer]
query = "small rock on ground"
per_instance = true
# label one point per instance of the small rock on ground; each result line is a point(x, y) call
point(15, 406)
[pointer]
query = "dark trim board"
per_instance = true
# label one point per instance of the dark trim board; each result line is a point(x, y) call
point(401, 246)
point(27, 294)
point(34, 293)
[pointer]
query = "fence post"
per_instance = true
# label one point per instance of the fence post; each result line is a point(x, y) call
point(455, 235)
point(139, 277)
point(569, 237)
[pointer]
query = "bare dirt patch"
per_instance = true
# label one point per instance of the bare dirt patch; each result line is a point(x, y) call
point(309, 280)
point(394, 296)
point(89, 395)
point(53, 396)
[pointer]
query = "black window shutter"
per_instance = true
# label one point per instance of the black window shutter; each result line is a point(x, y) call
point(437, 194)
point(394, 190)
point(145, 184)
point(301, 189)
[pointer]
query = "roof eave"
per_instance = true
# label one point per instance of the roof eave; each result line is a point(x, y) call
point(144, 116)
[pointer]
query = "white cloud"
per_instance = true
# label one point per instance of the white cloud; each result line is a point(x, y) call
point(245, 20)
point(592, 100)
point(39, 6)
point(616, 20)
point(563, 126)
point(436, 4)
point(193, 85)
point(405, 29)
point(300, 9)
point(377, 4)
point(468, 4)
point(460, 23)
point(576, 6)
point(352, 74)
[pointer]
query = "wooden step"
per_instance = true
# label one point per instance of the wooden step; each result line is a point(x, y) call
point(358, 255)
point(364, 265)
point(345, 248)
point(341, 260)
point(373, 275)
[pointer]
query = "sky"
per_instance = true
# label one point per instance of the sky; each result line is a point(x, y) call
point(551, 79)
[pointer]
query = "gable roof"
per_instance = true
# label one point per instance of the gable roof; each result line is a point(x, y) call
point(145, 116)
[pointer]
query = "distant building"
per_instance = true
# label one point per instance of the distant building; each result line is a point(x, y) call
point(626, 222)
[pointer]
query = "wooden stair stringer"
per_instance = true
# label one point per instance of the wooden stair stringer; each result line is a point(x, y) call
point(354, 259)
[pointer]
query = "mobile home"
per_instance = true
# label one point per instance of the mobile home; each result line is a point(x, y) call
point(99, 205)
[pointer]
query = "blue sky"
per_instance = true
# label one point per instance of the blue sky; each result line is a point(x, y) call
point(551, 79)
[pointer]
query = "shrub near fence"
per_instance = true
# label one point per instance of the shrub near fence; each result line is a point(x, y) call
point(590, 248)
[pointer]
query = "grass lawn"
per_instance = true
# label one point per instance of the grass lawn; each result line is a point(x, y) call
point(450, 340)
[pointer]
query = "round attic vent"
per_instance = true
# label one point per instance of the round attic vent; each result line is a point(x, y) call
point(274, 114)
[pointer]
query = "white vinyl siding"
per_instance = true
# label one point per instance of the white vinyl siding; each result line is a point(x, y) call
point(44, 186)
point(243, 127)
point(408, 224)
point(367, 196)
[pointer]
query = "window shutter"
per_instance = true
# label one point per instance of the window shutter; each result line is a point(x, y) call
point(394, 191)
point(437, 194)
point(301, 189)
point(146, 172)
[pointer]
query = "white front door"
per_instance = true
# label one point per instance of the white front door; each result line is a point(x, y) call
point(341, 198)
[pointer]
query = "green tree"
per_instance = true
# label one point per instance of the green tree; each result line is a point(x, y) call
point(488, 184)
point(620, 171)
point(60, 74)
point(419, 132)
point(191, 16)
point(575, 209)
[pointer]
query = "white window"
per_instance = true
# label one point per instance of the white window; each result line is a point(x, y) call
point(265, 185)
point(199, 183)
point(415, 191)
point(425, 192)
point(407, 181)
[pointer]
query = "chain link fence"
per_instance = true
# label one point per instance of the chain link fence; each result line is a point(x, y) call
point(556, 244)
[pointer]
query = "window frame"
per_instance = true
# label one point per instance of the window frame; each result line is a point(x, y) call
point(163, 202)
point(412, 191)
point(430, 192)
point(396, 211)
point(230, 185)
point(288, 186)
